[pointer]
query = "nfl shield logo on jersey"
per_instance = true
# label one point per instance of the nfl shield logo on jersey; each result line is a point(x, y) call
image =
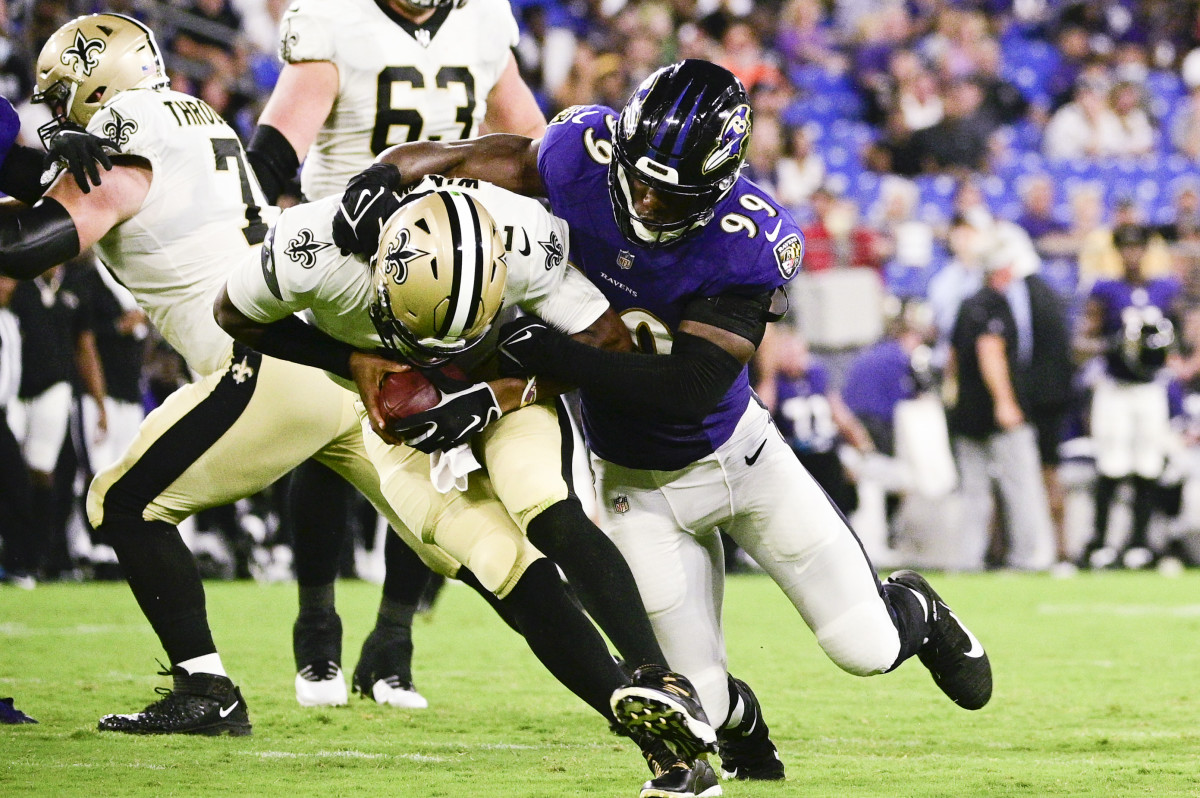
point(621, 503)
point(625, 259)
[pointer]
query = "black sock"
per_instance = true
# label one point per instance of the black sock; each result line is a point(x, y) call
point(910, 616)
point(163, 577)
point(468, 578)
point(600, 577)
point(317, 498)
point(563, 638)
point(1144, 494)
point(404, 581)
point(1106, 489)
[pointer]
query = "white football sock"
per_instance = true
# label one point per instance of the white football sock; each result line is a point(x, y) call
point(209, 663)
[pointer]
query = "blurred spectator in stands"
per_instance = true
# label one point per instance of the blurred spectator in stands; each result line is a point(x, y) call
point(1002, 101)
point(877, 35)
point(909, 239)
point(801, 169)
point(1086, 127)
point(1037, 207)
point(766, 154)
point(234, 106)
point(18, 532)
point(1185, 129)
point(958, 143)
point(1185, 224)
point(882, 375)
point(212, 37)
point(16, 71)
point(955, 48)
point(836, 239)
point(1138, 133)
point(894, 151)
point(546, 49)
point(917, 96)
point(810, 414)
point(988, 422)
point(954, 282)
point(1073, 53)
point(806, 39)
point(742, 54)
point(1099, 257)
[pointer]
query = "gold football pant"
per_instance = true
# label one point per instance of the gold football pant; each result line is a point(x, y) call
point(484, 526)
point(233, 433)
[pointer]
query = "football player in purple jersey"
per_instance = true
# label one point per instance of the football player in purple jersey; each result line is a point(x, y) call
point(695, 257)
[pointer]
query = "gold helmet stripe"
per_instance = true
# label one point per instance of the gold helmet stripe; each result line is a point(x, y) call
point(466, 292)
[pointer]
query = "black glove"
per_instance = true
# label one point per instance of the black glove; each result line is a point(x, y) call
point(521, 341)
point(369, 200)
point(465, 409)
point(78, 151)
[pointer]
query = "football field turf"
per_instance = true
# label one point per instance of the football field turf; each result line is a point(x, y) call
point(1097, 693)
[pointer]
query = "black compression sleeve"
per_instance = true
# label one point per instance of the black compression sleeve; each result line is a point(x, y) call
point(33, 240)
point(685, 385)
point(273, 159)
point(21, 174)
point(292, 339)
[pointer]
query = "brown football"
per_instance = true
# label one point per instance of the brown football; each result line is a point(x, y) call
point(406, 393)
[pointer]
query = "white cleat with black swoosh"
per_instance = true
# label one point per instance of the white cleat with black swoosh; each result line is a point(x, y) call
point(954, 656)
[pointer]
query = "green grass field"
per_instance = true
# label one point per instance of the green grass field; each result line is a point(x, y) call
point(1097, 693)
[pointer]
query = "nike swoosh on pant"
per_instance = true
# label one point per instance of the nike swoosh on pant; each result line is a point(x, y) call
point(752, 459)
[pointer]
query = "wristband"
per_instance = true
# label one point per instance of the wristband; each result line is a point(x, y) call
point(529, 395)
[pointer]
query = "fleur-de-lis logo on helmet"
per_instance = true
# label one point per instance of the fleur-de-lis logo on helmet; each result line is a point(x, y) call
point(119, 129)
point(398, 255)
point(81, 56)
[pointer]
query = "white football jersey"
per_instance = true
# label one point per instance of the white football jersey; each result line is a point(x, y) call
point(203, 213)
point(397, 81)
point(302, 271)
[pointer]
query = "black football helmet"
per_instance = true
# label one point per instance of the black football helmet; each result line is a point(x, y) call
point(683, 134)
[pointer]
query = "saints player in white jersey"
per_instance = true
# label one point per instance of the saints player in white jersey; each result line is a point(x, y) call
point(177, 209)
point(359, 76)
point(444, 266)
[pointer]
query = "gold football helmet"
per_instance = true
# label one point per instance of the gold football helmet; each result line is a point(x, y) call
point(90, 60)
point(439, 277)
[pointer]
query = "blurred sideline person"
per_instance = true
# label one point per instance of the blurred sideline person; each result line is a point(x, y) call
point(988, 422)
point(1128, 322)
point(17, 530)
point(177, 208)
point(359, 76)
point(441, 274)
point(679, 449)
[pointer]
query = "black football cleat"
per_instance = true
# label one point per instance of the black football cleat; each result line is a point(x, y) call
point(746, 749)
point(384, 670)
point(664, 704)
point(317, 646)
point(199, 703)
point(684, 781)
point(955, 658)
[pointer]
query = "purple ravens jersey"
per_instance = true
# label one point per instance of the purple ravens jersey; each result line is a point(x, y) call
point(1128, 309)
point(802, 411)
point(752, 246)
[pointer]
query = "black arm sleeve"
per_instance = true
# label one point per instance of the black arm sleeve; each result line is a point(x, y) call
point(21, 174)
point(292, 339)
point(273, 159)
point(685, 385)
point(33, 240)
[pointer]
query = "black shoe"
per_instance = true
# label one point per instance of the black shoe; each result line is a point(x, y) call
point(664, 704)
point(746, 750)
point(682, 781)
point(199, 703)
point(953, 655)
point(384, 669)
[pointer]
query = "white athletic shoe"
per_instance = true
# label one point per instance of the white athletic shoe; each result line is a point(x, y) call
point(391, 692)
point(321, 685)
